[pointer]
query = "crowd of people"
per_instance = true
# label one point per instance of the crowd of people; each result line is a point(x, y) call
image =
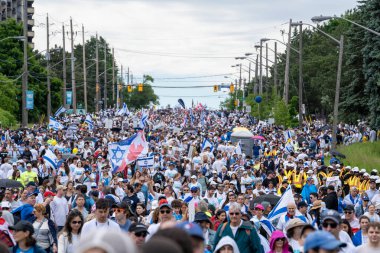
point(82, 186)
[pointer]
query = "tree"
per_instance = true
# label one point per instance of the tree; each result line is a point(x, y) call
point(137, 99)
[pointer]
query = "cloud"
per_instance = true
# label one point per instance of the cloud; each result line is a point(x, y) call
point(190, 28)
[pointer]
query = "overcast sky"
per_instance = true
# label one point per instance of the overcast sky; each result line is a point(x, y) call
point(177, 39)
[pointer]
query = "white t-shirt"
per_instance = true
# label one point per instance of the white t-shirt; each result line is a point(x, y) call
point(94, 224)
point(60, 209)
point(234, 229)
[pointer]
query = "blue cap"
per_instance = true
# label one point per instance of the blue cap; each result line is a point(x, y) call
point(32, 194)
point(194, 188)
point(192, 229)
point(323, 240)
point(365, 198)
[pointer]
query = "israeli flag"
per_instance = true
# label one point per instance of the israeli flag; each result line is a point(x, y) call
point(288, 134)
point(238, 149)
point(207, 144)
point(54, 124)
point(282, 204)
point(184, 122)
point(146, 162)
point(61, 110)
point(265, 224)
point(203, 122)
point(143, 121)
point(191, 117)
point(123, 111)
point(89, 122)
point(50, 159)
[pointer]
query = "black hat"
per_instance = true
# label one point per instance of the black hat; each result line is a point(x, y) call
point(137, 227)
point(201, 216)
point(23, 225)
point(121, 205)
point(349, 208)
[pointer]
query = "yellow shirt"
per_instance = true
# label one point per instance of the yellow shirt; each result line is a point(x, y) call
point(27, 177)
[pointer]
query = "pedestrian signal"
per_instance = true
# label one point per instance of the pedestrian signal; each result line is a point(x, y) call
point(216, 88)
point(129, 88)
point(140, 87)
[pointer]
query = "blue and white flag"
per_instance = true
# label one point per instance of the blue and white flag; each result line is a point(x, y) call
point(184, 122)
point(146, 162)
point(54, 124)
point(203, 121)
point(282, 204)
point(267, 226)
point(207, 144)
point(123, 111)
point(61, 109)
point(89, 122)
point(288, 134)
point(238, 149)
point(144, 120)
point(50, 159)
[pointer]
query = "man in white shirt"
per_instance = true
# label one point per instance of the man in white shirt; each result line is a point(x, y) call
point(59, 208)
point(101, 218)
point(218, 164)
point(5, 168)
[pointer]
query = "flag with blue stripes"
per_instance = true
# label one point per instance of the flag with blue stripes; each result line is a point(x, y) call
point(89, 122)
point(50, 159)
point(282, 204)
point(143, 121)
point(288, 134)
point(60, 110)
point(146, 162)
point(123, 111)
point(238, 149)
point(54, 124)
point(192, 118)
point(184, 122)
point(207, 144)
point(203, 121)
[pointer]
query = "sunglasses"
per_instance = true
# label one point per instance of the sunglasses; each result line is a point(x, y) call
point(186, 190)
point(194, 191)
point(236, 214)
point(348, 212)
point(76, 222)
point(165, 211)
point(141, 234)
point(332, 225)
point(280, 239)
point(118, 210)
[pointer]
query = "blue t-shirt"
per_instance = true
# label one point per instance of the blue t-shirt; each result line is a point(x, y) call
point(30, 250)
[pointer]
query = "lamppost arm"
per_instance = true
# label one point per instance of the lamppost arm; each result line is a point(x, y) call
point(326, 34)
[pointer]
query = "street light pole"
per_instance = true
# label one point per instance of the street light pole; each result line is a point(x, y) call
point(84, 71)
point(24, 111)
point(97, 88)
point(105, 76)
point(275, 68)
point(73, 86)
point(286, 78)
point(261, 68)
point(48, 68)
point(64, 65)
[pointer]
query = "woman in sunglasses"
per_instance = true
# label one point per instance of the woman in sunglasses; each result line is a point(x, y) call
point(278, 243)
point(71, 232)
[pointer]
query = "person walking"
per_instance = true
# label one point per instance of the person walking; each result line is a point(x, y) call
point(70, 233)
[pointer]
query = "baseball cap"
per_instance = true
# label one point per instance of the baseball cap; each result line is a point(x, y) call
point(192, 229)
point(29, 165)
point(194, 188)
point(30, 184)
point(331, 215)
point(48, 194)
point(365, 198)
point(94, 185)
point(349, 208)
point(164, 203)
point(14, 164)
point(32, 194)
point(201, 216)
point(137, 227)
point(259, 206)
point(323, 240)
point(23, 225)
point(194, 176)
point(5, 204)
point(121, 205)
point(302, 204)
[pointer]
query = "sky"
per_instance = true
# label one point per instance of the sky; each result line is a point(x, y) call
point(181, 43)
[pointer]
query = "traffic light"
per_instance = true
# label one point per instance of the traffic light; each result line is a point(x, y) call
point(140, 87)
point(232, 88)
point(119, 87)
point(236, 102)
point(216, 88)
point(129, 88)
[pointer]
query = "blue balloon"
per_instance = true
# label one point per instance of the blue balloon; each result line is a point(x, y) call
point(258, 99)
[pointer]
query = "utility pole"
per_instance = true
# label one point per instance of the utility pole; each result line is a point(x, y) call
point(275, 68)
point(266, 71)
point(74, 93)
point(256, 75)
point(64, 65)
point(300, 81)
point(105, 76)
point(113, 78)
point(337, 90)
point(249, 77)
point(48, 68)
point(286, 79)
point(97, 74)
point(24, 111)
point(84, 71)
point(261, 68)
point(122, 85)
